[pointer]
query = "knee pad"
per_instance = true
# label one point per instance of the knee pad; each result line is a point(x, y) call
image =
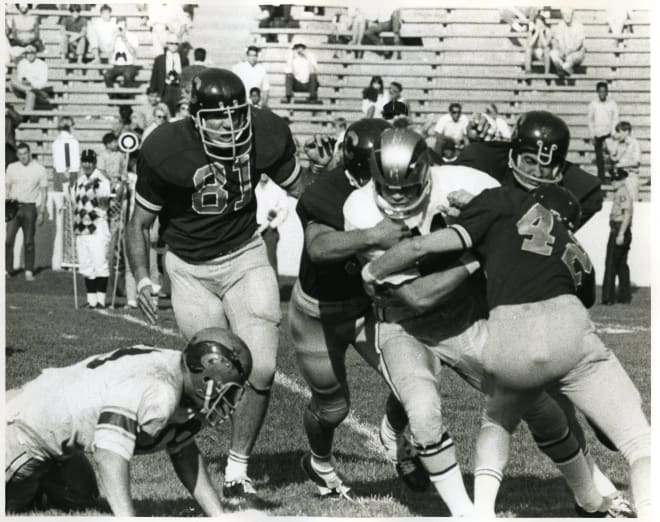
point(329, 410)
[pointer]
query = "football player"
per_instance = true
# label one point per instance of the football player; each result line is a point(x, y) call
point(198, 176)
point(437, 314)
point(329, 311)
point(115, 405)
point(539, 332)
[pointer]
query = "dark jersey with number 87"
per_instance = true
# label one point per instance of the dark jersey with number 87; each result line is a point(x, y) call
point(527, 253)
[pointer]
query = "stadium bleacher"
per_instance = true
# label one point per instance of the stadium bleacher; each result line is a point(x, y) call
point(458, 54)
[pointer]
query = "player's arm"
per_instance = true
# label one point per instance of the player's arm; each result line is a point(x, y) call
point(325, 244)
point(410, 251)
point(137, 245)
point(191, 470)
point(114, 476)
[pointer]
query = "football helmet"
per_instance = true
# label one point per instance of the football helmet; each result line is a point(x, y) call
point(561, 202)
point(216, 366)
point(359, 141)
point(221, 112)
point(400, 167)
point(539, 144)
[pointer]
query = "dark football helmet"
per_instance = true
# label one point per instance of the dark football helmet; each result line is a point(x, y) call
point(400, 167)
point(216, 365)
point(539, 145)
point(358, 144)
point(221, 112)
point(561, 202)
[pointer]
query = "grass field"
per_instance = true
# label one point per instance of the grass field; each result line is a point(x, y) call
point(43, 329)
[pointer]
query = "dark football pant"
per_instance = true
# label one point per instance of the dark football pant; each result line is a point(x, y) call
point(26, 219)
point(616, 265)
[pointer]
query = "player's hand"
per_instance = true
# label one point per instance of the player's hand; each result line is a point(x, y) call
point(619, 240)
point(148, 304)
point(320, 149)
point(459, 198)
point(480, 127)
point(388, 233)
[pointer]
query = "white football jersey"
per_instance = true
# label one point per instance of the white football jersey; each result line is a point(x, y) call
point(361, 210)
point(125, 401)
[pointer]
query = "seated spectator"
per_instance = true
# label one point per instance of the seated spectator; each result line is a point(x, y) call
point(23, 29)
point(502, 131)
point(625, 154)
point(31, 80)
point(101, 35)
point(519, 18)
point(253, 73)
point(145, 112)
point(200, 58)
point(255, 97)
point(301, 70)
point(160, 116)
point(451, 125)
point(447, 152)
point(74, 35)
point(166, 73)
point(383, 19)
point(182, 109)
point(164, 19)
point(538, 44)
point(66, 155)
point(618, 22)
point(340, 27)
point(357, 22)
point(123, 57)
point(567, 44)
point(394, 105)
point(373, 98)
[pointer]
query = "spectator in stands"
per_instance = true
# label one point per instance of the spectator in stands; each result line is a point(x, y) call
point(451, 125)
point(200, 58)
point(145, 112)
point(112, 162)
point(190, 71)
point(618, 244)
point(253, 73)
point(166, 73)
point(101, 34)
point(23, 29)
point(31, 80)
point(618, 22)
point(12, 120)
point(66, 155)
point(27, 182)
point(182, 109)
point(395, 106)
point(165, 19)
point(373, 98)
point(340, 28)
point(255, 97)
point(625, 154)
point(602, 117)
point(501, 131)
point(567, 44)
point(383, 19)
point(448, 152)
point(358, 25)
point(538, 44)
point(272, 211)
point(74, 35)
point(301, 74)
point(160, 116)
point(123, 57)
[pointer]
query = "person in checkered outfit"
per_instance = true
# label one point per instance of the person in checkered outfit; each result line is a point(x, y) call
point(91, 196)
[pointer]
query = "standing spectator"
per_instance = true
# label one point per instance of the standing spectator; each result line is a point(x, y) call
point(31, 79)
point(122, 58)
point(602, 117)
point(618, 244)
point(301, 69)
point(145, 112)
point(625, 154)
point(567, 45)
point(101, 35)
point(66, 155)
point(91, 196)
point(358, 26)
point(23, 29)
point(182, 109)
point(166, 73)
point(502, 132)
point(385, 19)
point(451, 125)
point(373, 98)
point(272, 211)
point(26, 181)
point(190, 71)
point(74, 35)
point(12, 120)
point(199, 58)
point(165, 19)
point(255, 97)
point(160, 116)
point(253, 74)
point(538, 44)
point(340, 27)
point(112, 162)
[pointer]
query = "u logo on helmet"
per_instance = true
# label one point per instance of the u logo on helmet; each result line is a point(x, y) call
point(545, 158)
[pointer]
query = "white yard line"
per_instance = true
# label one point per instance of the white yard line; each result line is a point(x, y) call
point(366, 430)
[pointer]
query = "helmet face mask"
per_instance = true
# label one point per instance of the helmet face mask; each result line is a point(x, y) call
point(530, 171)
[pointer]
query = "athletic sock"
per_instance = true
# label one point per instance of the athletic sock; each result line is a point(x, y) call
point(577, 473)
point(640, 484)
point(491, 457)
point(390, 439)
point(236, 466)
point(603, 484)
point(322, 464)
point(486, 486)
point(90, 286)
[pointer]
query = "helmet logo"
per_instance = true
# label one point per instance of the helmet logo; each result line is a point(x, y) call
point(545, 158)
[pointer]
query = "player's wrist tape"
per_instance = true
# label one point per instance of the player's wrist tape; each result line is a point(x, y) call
point(367, 276)
point(145, 281)
point(470, 263)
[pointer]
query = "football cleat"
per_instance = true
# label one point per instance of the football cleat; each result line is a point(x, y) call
point(330, 484)
point(241, 491)
point(406, 462)
point(612, 507)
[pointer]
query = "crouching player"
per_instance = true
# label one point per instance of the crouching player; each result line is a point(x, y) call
point(115, 405)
